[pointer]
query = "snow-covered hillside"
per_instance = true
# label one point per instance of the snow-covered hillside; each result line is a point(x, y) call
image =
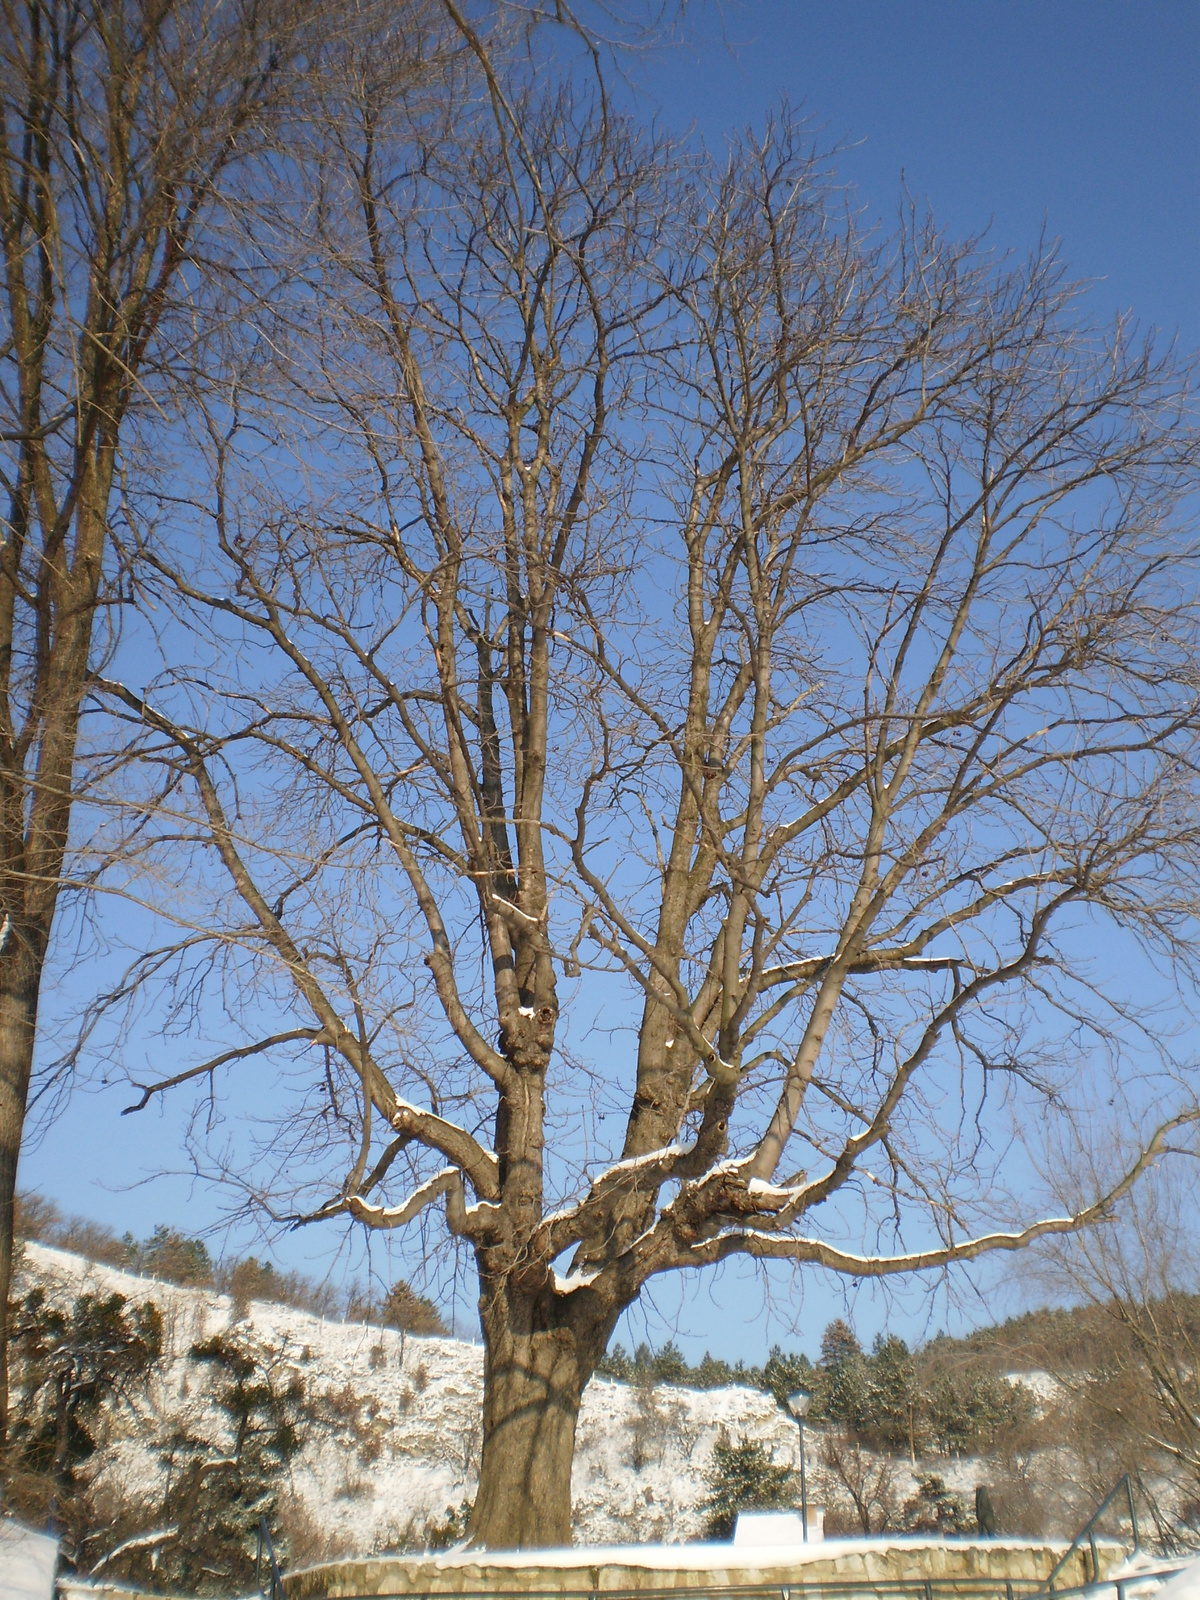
point(405, 1439)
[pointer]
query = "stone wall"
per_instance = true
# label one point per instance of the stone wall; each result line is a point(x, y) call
point(978, 1569)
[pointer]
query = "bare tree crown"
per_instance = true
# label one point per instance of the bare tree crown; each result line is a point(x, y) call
point(648, 586)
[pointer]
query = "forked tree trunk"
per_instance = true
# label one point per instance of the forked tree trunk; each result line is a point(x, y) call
point(539, 1353)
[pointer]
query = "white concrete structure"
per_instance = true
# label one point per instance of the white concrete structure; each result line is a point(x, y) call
point(27, 1563)
point(767, 1530)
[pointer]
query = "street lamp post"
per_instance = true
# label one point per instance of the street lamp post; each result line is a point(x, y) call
point(798, 1404)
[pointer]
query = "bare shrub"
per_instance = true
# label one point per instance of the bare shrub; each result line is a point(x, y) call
point(648, 1430)
point(307, 1541)
point(867, 1484)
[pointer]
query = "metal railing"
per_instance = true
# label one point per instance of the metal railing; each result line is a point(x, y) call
point(1124, 1588)
point(1123, 1485)
point(265, 1547)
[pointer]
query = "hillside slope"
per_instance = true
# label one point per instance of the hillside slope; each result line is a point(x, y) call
point(398, 1438)
point(387, 1434)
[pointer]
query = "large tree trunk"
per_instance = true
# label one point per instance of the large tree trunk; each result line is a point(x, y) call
point(20, 980)
point(539, 1352)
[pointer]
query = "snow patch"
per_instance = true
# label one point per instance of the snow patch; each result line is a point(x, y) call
point(575, 1280)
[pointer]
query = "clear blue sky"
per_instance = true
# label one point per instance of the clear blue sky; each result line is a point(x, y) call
point(1080, 119)
point(1078, 116)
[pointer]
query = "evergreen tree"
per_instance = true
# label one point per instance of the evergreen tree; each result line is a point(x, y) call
point(615, 1363)
point(219, 1487)
point(743, 1477)
point(893, 1395)
point(172, 1256)
point(936, 1509)
point(411, 1312)
point(843, 1384)
point(949, 1403)
point(65, 1366)
point(668, 1365)
point(784, 1374)
point(713, 1373)
point(967, 1414)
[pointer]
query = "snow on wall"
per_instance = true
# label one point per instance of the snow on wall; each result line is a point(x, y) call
point(407, 1446)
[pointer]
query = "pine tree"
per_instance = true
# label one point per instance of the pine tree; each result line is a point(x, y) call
point(669, 1366)
point(172, 1256)
point(743, 1477)
point(784, 1374)
point(66, 1365)
point(411, 1312)
point(970, 1414)
point(893, 1394)
point(936, 1509)
point(220, 1487)
point(842, 1377)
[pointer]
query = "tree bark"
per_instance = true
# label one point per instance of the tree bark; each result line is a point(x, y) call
point(35, 821)
point(539, 1353)
point(20, 982)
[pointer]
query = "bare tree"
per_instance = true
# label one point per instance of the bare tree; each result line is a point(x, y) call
point(868, 1481)
point(1141, 1401)
point(119, 121)
point(660, 597)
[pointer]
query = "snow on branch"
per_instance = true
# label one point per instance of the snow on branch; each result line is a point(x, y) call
point(562, 1226)
point(142, 1541)
point(765, 1243)
point(374, 1216)
point(470, 1222)
point(480, 1164)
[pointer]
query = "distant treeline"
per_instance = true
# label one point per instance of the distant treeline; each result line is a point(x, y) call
point(780, 1375)
point(890, 1397)
point(175, 1257)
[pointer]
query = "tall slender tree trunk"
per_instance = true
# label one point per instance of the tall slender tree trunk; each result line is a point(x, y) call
point(540, 1351)
point(37, 820)
point(162, 99)
point(20, 982)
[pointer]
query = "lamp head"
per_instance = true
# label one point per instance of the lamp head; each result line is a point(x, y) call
point(799, 1402)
